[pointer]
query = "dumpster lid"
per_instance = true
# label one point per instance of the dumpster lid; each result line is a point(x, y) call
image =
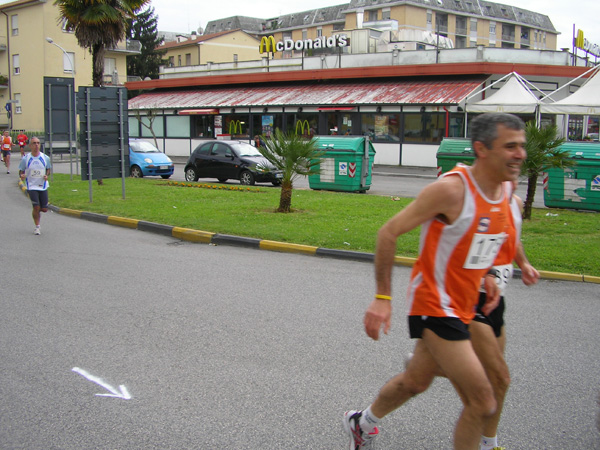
point(456, 146)
point(343, 143)
point(582, 150)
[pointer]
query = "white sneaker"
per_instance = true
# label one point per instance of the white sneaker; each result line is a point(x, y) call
point(358, 439)
point(37, 231)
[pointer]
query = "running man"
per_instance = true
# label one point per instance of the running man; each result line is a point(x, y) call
point(22, 141)
point(34, 170)
point(6, 148)
point(487, 328)
point(464, 217)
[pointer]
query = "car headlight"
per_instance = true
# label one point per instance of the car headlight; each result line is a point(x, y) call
point(148, 160)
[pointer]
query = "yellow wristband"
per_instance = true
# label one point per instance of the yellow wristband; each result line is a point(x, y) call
point(383, 297)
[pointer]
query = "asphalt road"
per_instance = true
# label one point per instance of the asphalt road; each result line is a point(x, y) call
point(232, 348)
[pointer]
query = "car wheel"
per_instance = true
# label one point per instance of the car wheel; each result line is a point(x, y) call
point(190, 174)
point(136, 172)
point(222, 180)
point(276, 183)
point(247, 178)
point(166, 177)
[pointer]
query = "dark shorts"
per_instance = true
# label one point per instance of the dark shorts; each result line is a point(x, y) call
point(39, 198)
point(496, 317)
point(5, 153)
point(448, 328)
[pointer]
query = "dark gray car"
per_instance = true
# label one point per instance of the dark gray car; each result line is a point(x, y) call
point(226, 160)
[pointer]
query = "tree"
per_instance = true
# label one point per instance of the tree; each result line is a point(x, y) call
point(98, 25)
point(144, 28)
point(543, 153)
point(294, 156)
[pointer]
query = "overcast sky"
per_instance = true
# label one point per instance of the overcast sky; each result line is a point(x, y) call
point(188, 15)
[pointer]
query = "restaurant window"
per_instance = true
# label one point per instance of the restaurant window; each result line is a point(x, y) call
point(424, 127)
point(152, 124)
point(178, 126)
point(266, 124)
point(381, 127)
point(304, 124)
point(203, 126)
point(236, 125)
point(134, 127)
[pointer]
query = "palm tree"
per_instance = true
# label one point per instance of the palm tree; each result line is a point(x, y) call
point(543, 153)
point(98, 25)
point(294, 156)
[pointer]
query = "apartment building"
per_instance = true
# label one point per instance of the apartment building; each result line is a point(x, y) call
point(34, 44)
point(225, 46)
point(462, 23)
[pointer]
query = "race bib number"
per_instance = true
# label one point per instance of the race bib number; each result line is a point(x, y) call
point(503, 276)
point(483, 250)
point(36, 177)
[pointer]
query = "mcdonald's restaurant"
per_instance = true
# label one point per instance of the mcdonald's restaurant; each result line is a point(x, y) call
point(406, 110)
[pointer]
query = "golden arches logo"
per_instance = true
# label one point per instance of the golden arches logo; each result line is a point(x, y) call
point(267, 44)
point(579, 40)
point(235, 127)
point(304, 127)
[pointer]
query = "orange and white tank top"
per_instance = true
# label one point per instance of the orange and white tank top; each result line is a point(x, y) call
point(6, 143)
point(454, 257)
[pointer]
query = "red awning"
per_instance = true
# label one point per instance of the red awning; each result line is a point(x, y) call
point(335, 95)
point(190, 112)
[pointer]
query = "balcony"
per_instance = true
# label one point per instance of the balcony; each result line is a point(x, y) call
point(3, 82)
point(129, 46)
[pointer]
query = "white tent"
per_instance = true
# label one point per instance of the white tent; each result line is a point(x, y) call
point(514, 97)
point(585, 100)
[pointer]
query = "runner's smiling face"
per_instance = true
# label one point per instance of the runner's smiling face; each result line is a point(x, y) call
point(507, 153)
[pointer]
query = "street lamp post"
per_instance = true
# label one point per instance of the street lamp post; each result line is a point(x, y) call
point(51, 41)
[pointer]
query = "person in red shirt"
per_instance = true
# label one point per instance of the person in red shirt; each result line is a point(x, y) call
point(22, 140)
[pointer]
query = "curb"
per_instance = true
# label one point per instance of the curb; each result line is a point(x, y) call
point(206, 237)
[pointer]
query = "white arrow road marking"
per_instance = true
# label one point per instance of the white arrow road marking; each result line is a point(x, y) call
point(121, 393)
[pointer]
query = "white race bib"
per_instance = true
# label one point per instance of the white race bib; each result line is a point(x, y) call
point(483, 250)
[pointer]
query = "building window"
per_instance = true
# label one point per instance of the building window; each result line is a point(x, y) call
point(17, 98)
point(110, 66)
point(424, 128)
point(429, 20)
point(179, 60)
point(64, 27)
point(372, 16)
point(155, 123)
point(178, 126)
point(171, 61)
point(16, 65)
point(304, 34)
point(386, 14)
point(188, 59)
point(381, 127)
point(14, 25)
point(134, 126)
point(69, 62)
point(319, 32)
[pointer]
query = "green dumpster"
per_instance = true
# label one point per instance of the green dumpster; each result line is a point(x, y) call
point(453, 151)
point(346, 164)
point(576, 187)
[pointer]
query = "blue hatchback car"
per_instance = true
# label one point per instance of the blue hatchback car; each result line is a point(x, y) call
point(145, 159)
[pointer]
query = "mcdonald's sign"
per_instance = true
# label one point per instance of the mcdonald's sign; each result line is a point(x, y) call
point(235, 127)
point(267, 44)
point(585, 45)
point(304, 127)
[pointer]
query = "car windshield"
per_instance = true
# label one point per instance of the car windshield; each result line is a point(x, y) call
point(243, 149)
point(143, 147)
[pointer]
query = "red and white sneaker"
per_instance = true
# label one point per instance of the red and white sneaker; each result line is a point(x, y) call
point(358, 439)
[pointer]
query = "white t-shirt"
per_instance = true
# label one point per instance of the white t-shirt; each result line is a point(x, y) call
point(35, 168)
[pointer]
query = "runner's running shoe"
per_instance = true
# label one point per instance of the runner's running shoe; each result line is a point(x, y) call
point(358, 439)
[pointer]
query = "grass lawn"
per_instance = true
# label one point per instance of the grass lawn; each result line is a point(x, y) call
point(562, 241)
